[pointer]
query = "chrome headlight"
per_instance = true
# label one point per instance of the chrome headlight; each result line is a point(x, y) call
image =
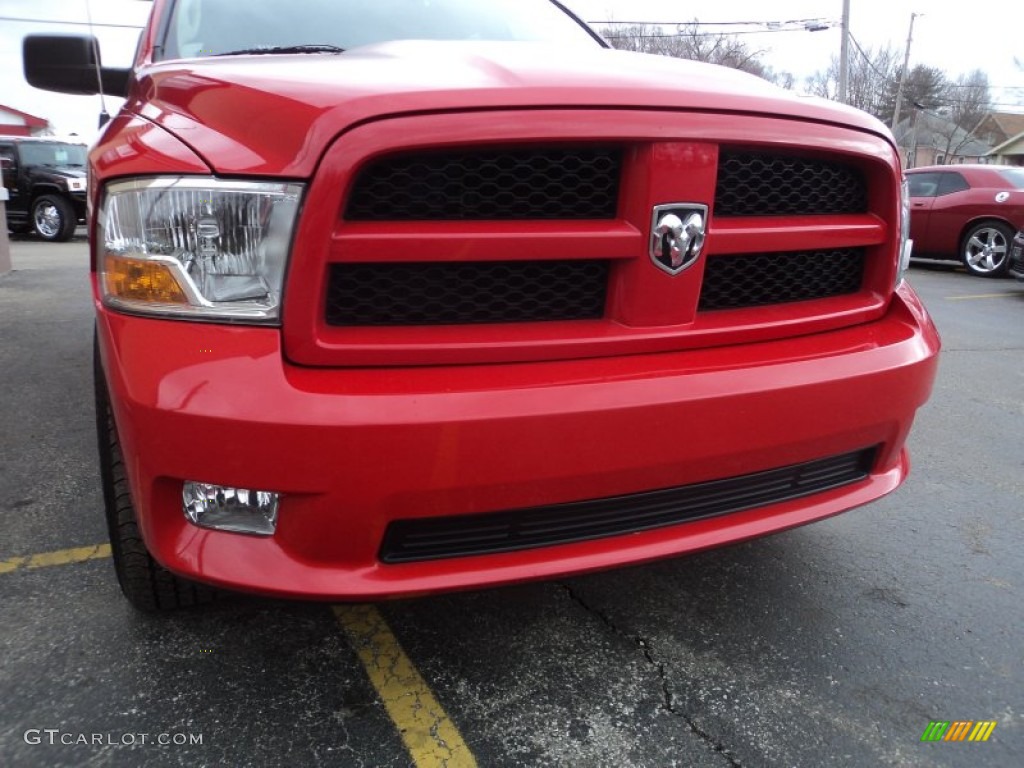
point(197, 247)
point(906, 244)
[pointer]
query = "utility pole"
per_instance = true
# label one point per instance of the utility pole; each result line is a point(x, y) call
point(844, 54)
point(5, 245)
point(903, 74)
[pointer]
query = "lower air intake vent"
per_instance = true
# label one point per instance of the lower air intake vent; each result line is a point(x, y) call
point(757, 279)
point(461, 293)
point(458, 536)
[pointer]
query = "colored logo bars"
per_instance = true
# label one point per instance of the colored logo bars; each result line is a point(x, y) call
point(958, 730)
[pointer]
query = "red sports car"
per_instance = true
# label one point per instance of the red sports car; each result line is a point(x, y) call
point(967, 212)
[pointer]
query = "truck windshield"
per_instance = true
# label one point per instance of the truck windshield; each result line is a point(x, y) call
point(222, 27)
point(54, 154)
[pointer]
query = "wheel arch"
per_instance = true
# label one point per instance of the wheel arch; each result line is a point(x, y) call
point(41, 190)
point(981, 219)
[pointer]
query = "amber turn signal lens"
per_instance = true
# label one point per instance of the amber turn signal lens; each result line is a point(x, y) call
point(141, 280)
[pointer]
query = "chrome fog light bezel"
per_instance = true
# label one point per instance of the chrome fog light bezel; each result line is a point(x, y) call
point(229, 508)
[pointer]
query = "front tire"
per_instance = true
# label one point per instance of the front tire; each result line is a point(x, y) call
point(147, 584)
point(985, 249)
point(53, 218)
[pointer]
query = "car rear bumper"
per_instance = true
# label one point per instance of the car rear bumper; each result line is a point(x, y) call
point(1016, 266)
point(353, 450)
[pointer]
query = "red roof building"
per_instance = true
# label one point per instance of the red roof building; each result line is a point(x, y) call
point(14, 122)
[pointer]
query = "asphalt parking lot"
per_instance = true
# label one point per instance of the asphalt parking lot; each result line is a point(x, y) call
point(831, 645)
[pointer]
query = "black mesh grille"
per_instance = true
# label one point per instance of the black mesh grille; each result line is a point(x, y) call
point(440, 537)
point(515, 184)
point(757, 184)
point(756, 279)
point(459, 293)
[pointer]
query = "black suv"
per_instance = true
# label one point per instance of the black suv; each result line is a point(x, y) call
point(46, 181)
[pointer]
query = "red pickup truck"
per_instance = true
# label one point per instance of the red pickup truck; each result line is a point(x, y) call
point(402, 297)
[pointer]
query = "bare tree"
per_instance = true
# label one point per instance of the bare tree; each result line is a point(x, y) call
point(688, 42)
point(870, 74)
point(874, 80)
point(781, 78)
point(970, 100)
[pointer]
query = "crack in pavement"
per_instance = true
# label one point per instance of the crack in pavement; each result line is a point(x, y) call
point(644, 646)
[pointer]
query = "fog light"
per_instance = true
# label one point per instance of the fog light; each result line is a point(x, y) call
point(230, 509)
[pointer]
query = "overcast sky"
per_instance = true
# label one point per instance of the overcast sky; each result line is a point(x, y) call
point(954, 35)
point(67, 114)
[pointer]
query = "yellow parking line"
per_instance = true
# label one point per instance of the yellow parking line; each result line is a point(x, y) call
point(60, 557)
point(983, 296)
point(432, 739)
point(429, 734)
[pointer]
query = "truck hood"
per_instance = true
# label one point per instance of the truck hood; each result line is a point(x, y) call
point(275, 115)
point(61, 171)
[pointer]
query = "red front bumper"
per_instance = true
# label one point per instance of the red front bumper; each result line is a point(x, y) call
point(353, 449)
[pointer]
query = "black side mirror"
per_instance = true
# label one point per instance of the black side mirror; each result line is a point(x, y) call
point(70, 64)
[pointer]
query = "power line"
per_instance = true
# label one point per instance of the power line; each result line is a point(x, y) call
point(868, 59)
point(771, 27)
point(695, 23)
point(700, 34)
point(70, 23)
point(1000, 87)
point(950, 102)
point(889, 79)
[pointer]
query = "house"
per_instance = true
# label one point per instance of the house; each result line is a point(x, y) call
point(14, 122)
point(1010, 152)
point(998, 127)
point(929, 139)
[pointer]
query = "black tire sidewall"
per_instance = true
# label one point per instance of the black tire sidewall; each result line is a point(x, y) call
point(147, 585)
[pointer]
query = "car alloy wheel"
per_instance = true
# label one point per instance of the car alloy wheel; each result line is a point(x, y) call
point(986, 249)
point(53, 218)
point(47, 220)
